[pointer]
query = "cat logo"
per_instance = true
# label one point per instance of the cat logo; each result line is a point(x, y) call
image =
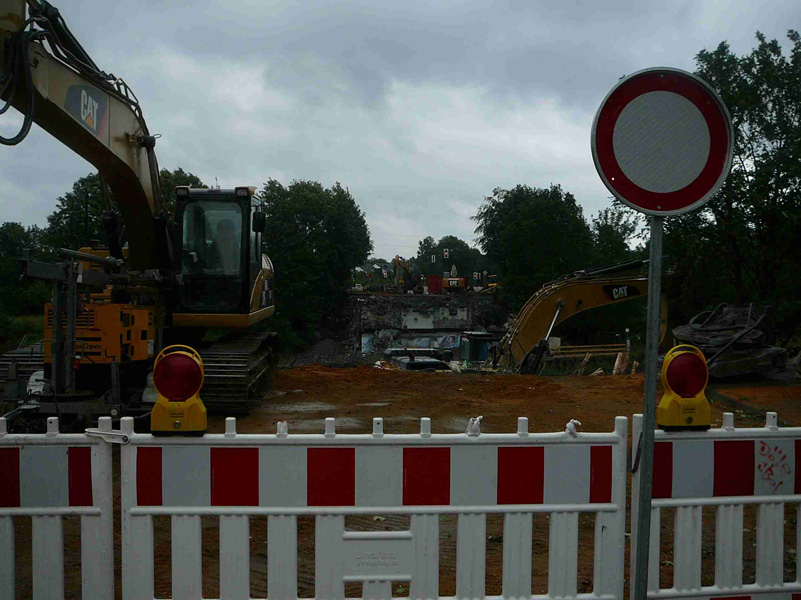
point(621, 292)
point(89, 110)
point(88, 106)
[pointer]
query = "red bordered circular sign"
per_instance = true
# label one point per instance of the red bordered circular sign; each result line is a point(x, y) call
point(662, 141)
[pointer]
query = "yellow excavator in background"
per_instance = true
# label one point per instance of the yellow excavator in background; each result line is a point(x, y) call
point(526, 342)
point(161, 279)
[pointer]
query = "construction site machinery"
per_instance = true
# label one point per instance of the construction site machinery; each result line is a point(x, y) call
point(526, 341)
point(161, 279)
point(734, 340)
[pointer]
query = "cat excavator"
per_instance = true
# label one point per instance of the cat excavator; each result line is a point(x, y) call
point(526, 342)
point(161, 278)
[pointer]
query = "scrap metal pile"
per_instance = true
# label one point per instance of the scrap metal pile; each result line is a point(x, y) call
point(735, 341)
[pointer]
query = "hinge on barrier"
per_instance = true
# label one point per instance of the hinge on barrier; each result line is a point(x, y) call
point(112, 437)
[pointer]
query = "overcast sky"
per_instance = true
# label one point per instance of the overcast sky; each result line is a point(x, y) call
point(420, 108)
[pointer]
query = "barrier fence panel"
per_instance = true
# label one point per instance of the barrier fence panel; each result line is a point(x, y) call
point(726, 468)
point(331, 476)
point(47, 477)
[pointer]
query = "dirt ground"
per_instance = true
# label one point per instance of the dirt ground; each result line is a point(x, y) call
point(305, 396)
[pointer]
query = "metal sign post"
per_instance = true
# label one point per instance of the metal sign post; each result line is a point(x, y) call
point(662, 143)
point(640, 565)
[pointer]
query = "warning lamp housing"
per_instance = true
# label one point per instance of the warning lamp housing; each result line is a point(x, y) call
point(178, 378)
point(684, 378)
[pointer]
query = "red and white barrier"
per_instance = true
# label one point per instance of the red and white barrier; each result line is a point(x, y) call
point(330, 476)
point(46, 477)
point(727, 468)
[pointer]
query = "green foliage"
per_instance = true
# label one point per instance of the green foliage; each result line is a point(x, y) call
point(612, 229)
point(534, 235)
point(19, 297)
point(315, 237)
point(466, 259)
point(742, 246)
point(77, 218)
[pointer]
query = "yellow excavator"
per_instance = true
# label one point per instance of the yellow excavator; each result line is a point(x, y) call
point(161, 279)
point(526, 342)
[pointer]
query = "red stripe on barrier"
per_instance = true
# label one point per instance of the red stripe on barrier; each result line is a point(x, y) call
point(426, 476)
point(600, 474)
point(734, 468)
point(9, 476)
point(234, 476)
point(331, 476)
point(663, 470)
point(521, 475)
point(79, 461)
point(148, 477)
point(797, 475)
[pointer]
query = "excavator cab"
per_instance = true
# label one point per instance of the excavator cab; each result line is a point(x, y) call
point(226, 280)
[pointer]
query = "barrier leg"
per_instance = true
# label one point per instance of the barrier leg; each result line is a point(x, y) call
point(563, 555)
point(48, 558)
point(6, 557)
point(187, 560)
point(425, 532)
point(471, 537)
point(282, 557)
point(729, 546)
point(517, 535)
point(235, 557)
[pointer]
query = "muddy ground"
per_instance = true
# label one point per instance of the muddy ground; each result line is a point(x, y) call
point(305, 396)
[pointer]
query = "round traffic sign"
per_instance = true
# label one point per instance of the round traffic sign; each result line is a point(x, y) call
point(662, 141)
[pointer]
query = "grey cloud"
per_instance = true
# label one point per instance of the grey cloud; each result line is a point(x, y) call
point(420, 108)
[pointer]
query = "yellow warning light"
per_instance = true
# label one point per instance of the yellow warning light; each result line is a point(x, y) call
point(684, 377)
point(178, 377)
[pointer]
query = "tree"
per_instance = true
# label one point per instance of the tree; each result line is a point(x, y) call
point(533, 235)
point(78, 215)
point(15, 298)
point(466, 259)
point(612, 229)
point(315, 237)
point(742, 246)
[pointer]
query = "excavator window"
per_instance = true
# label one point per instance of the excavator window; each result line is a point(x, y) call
point(212, 239)
point(215, 236)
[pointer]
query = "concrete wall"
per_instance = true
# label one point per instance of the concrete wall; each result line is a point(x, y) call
point(419, 320)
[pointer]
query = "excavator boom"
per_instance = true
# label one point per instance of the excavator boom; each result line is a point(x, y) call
point(561, 299)
point(49, 79)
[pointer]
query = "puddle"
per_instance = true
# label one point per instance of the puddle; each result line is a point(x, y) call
point(374, 404)
point(303, 407)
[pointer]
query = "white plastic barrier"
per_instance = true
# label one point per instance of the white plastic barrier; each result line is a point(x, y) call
point(46, 477)
point(726, 468)
point(329, 476)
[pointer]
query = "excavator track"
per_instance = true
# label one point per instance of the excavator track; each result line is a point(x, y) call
point(237, 371)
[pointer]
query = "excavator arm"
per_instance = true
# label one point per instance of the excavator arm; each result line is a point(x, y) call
point(557, 301)
point(50, 79)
